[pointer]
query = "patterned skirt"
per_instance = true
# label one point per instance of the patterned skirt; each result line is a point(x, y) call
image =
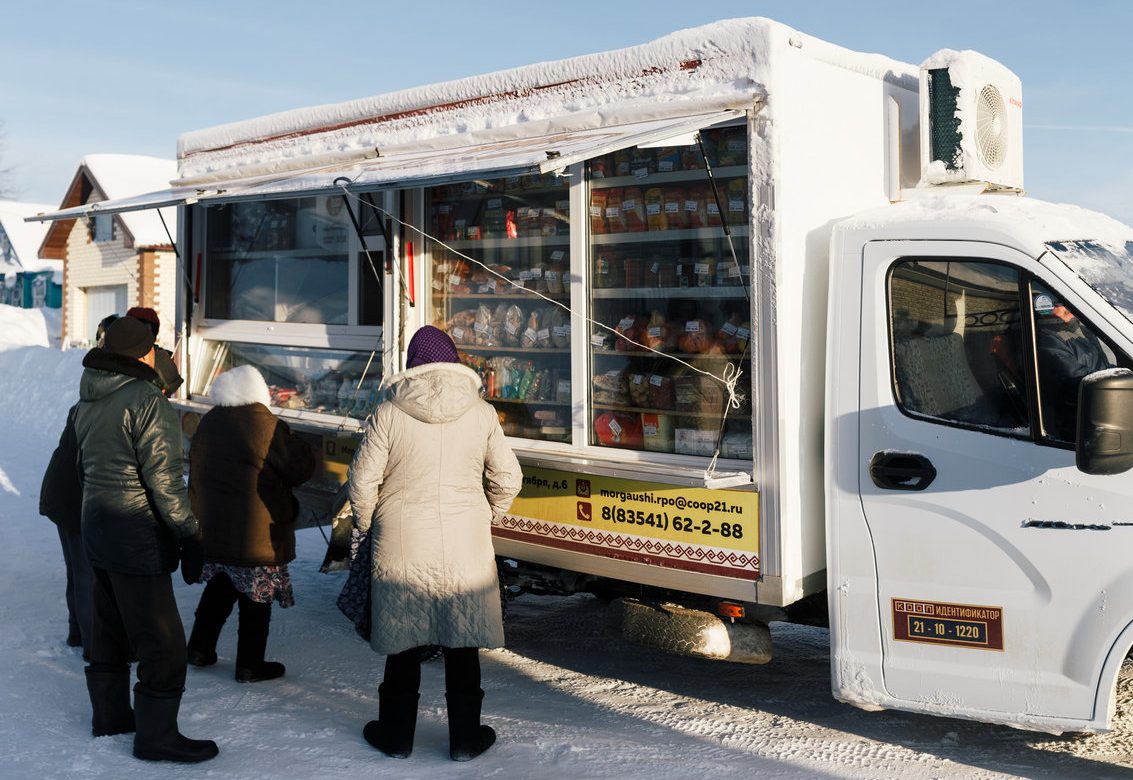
point(263, 584)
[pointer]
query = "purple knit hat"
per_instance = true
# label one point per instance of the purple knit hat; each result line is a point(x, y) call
point(431, 345)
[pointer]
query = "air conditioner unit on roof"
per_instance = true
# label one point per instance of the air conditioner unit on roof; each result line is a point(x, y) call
point(971, 121)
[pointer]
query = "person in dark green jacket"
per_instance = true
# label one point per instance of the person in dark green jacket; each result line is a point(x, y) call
point(136, 526)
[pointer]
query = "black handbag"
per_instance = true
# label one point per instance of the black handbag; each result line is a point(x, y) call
point(354, 600)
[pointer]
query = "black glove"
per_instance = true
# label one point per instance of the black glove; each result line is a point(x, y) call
point(192, 559)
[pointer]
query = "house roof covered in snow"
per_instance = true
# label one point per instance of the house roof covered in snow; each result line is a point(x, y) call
point(111, 177)
point(25, 237)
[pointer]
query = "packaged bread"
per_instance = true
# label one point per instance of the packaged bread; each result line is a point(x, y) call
point(655, 209)
point(727, 334)
point(530, 335)
point(658, 332)
point(633, 210)
point(598, 212)
point(513, 325)
point(697, 337)
point(638, 384)
point(619, 429)
point(482, 327)
point(668, 159)
point(731, 148)
point(623, 160)
point(695, 392)
point(673, 203)
point(615, 221)
point(553, 275)
point(661, 391)
point(543, 335)
point(642, 162)
point(460, 327)
point(704, 271)
point(558, 321)
point(736, 201)
point(696, 206)
point(631, 329)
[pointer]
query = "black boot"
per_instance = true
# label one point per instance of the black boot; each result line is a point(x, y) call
point(110, 701)
point(466, 737)
point(157, 737)
point(392, 733)
point(213, 609)
point(252, 642)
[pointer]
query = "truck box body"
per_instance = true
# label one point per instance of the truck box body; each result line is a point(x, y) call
point(789, 355)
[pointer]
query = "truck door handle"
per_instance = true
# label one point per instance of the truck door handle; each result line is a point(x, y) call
point(901, 471)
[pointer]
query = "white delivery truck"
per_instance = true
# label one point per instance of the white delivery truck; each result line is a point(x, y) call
point(769, 323)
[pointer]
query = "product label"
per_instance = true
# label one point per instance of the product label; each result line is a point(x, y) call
point(691, 205)
point(438, 284)
point(735, 205)
point(625, 322)
point(457, 334)
point(595, 211)
point(629, 205)
point(641, 173)
point(480, 327)
point(558, 254)
point(653, 209)
point(649, 429)
point(564, 387)
point(543, 335)
point(743, 333)
point(561, 331)
point(654, 268)
point(552, 276)
point(729, 328)
point(733, 270)
point(612, 212)
point(665, 166)
point(656, 380)
point(672, 207)
point(692, 326)
point(536, 273)
point(615, 429)
point(638, 379)
point(511, 328)
point(958, 625)
point(700, 269)
point(712, 208)
point(662, 525)
point(488, 287)
point(598, 340)
point(655, 332)
point(524, 276)
point(455, 280)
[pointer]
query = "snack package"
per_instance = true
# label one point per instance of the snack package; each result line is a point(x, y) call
point(662, 392)
point(704, 271)
point(735, 198)
point(731, 148)
point(668, 159)
point(657, 432)
point(615, 221)
point(558, 321)
point(609, 270)
point(638, 383)
point(619, 429)
point(696, 206)
point(633, 210)
point(460, 327)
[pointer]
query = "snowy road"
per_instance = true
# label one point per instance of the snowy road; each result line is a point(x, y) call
point(568, 697)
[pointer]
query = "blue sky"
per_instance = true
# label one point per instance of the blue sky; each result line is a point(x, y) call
point(130, 76)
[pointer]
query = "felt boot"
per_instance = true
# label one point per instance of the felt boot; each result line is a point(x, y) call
point(467, 738)
point(110, 701)
point(157, 737)
point(392, 733)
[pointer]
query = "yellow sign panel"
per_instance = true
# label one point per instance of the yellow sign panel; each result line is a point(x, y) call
point(675, 526)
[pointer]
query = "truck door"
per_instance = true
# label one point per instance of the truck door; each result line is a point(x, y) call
point(993, 554)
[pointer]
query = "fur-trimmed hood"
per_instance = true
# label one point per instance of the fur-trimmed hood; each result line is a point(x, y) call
point(240, 386)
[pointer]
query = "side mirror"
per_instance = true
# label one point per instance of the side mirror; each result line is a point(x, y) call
point(1105, 422)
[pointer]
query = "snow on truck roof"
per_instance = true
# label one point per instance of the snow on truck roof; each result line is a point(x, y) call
point(1013, 219)
point(725, 64)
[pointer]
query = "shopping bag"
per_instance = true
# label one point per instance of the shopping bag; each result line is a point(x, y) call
point(354, 600)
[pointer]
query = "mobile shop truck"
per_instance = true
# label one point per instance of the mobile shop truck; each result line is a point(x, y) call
point(764, 320)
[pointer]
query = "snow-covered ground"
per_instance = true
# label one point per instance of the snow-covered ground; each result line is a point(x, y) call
point(568, 698)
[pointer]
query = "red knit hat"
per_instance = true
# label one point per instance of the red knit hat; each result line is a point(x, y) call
point(147, 315)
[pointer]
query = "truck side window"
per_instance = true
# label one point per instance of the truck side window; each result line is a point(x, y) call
point(956, 346)
point(1066, 350)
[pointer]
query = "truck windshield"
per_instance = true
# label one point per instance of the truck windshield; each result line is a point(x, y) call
point(1106, 268)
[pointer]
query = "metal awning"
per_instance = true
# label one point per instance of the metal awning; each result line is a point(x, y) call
point(446, 161)
point(174, 196)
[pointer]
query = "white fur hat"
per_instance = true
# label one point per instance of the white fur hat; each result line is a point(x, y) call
point(239, 386)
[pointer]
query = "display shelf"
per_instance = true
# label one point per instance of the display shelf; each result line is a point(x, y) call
point(662, 293)
point(524, 352)
point(671, 412)
point(682, 355)
point(652, 236)
point(513, 195)
point(527, 402)
point(505, 243)
point(699, 175)
point(527, 296)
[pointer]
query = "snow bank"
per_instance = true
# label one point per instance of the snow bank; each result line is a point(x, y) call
point(23, 328)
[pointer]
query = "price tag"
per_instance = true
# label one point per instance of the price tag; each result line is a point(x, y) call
point(665, 166)
point(488, 287)
point(691, 205)
point(649, 429)
point(561, 331)
point(728, 328)
point(700, 269)
point(629, 205)
point(438, 284)
point(524, 276)
point(495, 203)
point(595, 211)
point(672, 206)
point(736, 145)
point(543, 335)
point(511, 328)
point(552, 276)
point(656, 380)
point(458, 334)
point(692, 326)
point(612, 212)
point(480, 327)
point(734, 270)
point(712, 208)
point(564, 387)
point(641, 173)
point(536, 273)
point(530, 334)
point(743, 333)
point(598, 340)
point(654, 268)
point(444, 208)
point(653, 208)
point(625, 323)
point(615, 428)
point(655, 332)
point(558, 254)
point(455, 280)
point(638, 379)
point(735, 205)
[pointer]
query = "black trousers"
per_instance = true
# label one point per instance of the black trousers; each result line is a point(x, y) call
point(135, 616)
point(80, 586)
point(216, 604)
point(462, 670)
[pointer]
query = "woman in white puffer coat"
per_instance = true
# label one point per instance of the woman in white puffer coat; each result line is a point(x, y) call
point(431, 473)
